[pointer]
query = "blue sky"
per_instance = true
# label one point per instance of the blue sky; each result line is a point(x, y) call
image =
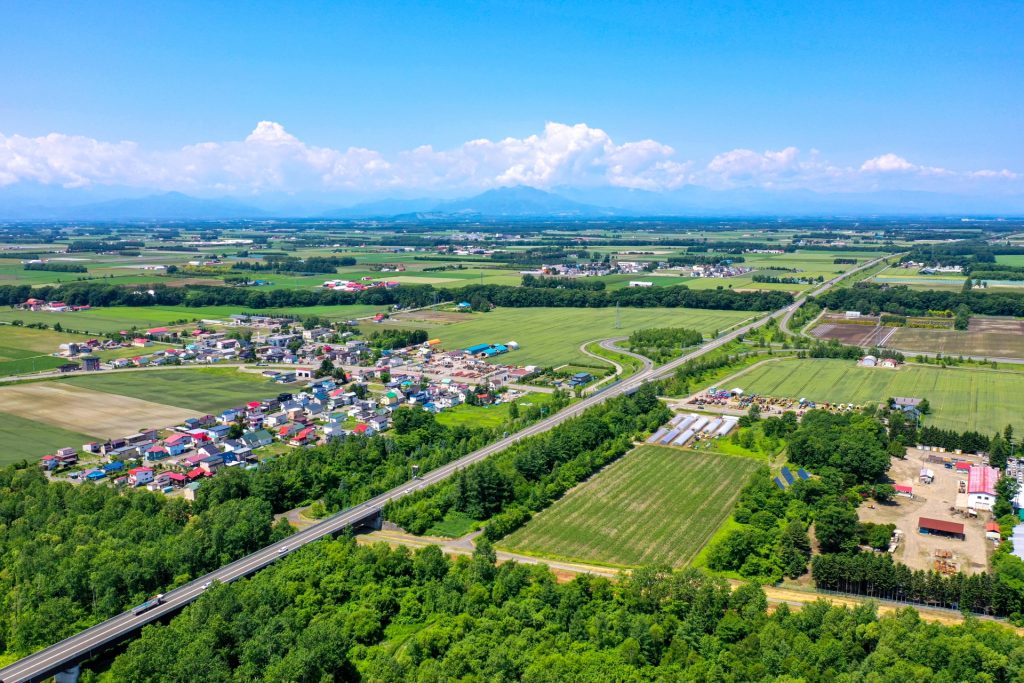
point(937, 86)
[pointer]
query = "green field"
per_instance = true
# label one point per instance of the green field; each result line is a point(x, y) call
point(552, 336)
point(654, 506)
point(961, 398)
point(115, 318)
point(25, 350)
point(29, 439)
point(204, 389)
point(490, 417)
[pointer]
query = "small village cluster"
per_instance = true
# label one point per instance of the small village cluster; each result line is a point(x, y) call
point(362, 285)
point(420, 376)
point(198, 448)
point(724, 269)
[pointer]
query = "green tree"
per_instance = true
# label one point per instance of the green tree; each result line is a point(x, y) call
point(998, 452)
point(836, 526)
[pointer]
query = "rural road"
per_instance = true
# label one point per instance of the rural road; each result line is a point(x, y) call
point(91, 641)
point(610, 345)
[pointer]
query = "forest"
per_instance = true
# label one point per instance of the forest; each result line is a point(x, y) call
point(873, 299)
point(663, 344)
point(100, 294)
point(338, 611)
point(73, 555)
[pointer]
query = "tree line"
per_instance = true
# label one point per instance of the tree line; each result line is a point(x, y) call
point(293, 264)
point(507, 488)
point(56, 267)
point(875, 299)
point(100, 294)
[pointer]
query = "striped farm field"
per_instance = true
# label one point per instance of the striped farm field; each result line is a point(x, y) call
point(653, 506)
point(961, 398)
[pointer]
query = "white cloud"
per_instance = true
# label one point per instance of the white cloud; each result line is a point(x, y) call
point(272, 159)
point(893, 163)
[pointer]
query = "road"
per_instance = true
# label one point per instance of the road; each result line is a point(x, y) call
point(70, 651)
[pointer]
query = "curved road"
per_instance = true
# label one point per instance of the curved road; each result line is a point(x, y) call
point(70, 651)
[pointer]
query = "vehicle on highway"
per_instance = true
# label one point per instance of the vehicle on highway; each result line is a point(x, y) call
point(283, 549)
point(149, 604)
point(206, 585)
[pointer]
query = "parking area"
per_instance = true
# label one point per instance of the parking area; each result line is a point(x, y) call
point(935, 500)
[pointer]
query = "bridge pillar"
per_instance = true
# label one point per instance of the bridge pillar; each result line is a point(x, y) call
point(69, 675)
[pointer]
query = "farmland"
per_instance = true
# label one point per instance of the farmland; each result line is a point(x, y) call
point(960, 398)
point(956, 342)
point(552, 336)
point(653, 506)
point(25, 438)
point(64, 406)
point(200, 389)
point(116, 318)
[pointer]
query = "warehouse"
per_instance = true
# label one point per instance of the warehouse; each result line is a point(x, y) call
point(981, 487)
point(939, 527)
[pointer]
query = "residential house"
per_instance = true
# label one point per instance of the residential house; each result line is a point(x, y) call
point(303, 437)
point(140, 476)
point(211, 463)
point(177, 444)
point(286, 432)
point(257, 439)
point(156, 452)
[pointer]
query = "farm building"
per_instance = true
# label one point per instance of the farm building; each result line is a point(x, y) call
point(981, 487)
point(939, 527)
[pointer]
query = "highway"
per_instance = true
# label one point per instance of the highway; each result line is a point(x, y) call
point(68, 652)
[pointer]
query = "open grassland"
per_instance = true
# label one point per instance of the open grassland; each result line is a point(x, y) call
point(206, 390)
point(654, 506)
point(23, 438)
point(492, 416)
point(552, 336)
point(961, 398)
point(1010, 259)
point(84, 411)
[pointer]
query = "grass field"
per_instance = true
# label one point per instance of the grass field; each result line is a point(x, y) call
point(206, 390)
point(24, 438)
point(486, 416)
point(552, 336)
point(102, 320)
point(654, 506)
point(26, 350)
point(961, 398)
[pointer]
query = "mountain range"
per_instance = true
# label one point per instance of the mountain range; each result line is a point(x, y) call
point(45, 203)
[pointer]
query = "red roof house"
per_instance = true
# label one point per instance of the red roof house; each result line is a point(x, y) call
point(982, 479)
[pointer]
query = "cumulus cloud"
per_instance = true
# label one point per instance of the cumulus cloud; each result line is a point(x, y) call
point(272, 159)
